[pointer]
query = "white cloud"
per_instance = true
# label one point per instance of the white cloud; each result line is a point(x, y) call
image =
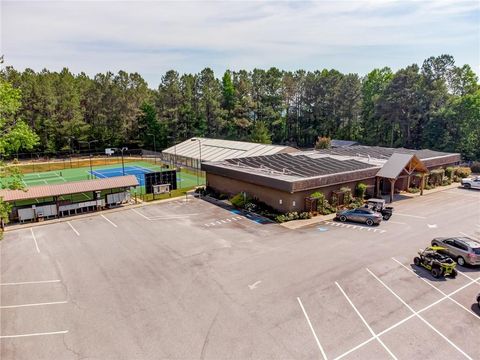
point(152, 37)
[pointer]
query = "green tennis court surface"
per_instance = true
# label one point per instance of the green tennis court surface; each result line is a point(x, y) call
point(184, 179)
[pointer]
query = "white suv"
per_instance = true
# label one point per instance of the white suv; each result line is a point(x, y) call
point(471, 183)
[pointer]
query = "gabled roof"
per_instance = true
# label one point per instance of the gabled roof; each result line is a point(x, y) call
point(219, 150)
point(76, 187)
point(398, 162)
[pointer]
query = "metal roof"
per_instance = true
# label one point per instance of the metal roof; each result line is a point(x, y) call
point(397, 162)
point(379, 152)
point(43, 191)
point(334, 143)
point(219, 150)
point(296, 165)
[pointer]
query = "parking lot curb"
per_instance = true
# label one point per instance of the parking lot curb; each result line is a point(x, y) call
point(297, 224)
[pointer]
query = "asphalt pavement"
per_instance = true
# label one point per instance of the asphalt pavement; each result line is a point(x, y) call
point(190, 280)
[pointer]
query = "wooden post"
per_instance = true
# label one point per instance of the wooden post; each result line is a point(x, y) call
point(408, 181)
point(422, 184)
point(392, 189)
point(377, 193)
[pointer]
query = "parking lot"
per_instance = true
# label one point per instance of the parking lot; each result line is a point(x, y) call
point(188, 280)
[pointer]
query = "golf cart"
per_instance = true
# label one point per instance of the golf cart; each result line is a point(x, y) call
point(438, 264)
point(378, 205)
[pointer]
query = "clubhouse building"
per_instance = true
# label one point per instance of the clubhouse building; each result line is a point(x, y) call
point(285, 180)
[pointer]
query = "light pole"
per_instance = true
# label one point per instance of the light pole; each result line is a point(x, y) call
point(199, 167)
point(154, 147)
point(123, 164)
point(90, 154)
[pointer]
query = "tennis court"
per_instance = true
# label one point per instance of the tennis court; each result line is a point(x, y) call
point(137, 168)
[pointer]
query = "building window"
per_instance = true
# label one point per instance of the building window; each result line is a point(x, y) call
point(280, 201)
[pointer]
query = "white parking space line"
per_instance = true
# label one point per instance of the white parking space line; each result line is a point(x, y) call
point(470, 236)
point(30, 282)
point(139, 213)
point(408, 215)
point(365, 322)
point(436, 288)
point(469, 277)
point(396, 222)
point(312, 329)
point(35, 240)
point(406, 319)
point(111, 222)
point(34, 304)
point(419, 316)
point(33, 334)
point(74, 230)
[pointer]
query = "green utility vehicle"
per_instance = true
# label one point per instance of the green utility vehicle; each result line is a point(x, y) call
point(438, 264)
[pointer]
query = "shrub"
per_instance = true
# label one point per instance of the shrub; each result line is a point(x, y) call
point(347, 194)
point(413, 190)
point(323, 143)
point(428, 187)
point(475, 167)
point(463, 172)
point(449, 172)
point(305, 215)
point(222, 197)
point(360, 190)
point(436, 176)
point(280, 218)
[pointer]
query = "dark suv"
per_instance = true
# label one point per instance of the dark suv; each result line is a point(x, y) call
point(463, 250)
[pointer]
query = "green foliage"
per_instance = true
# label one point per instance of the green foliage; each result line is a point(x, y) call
point(323, 143)
point(360, 190)
point(463, 172)
point(413, 190)
point(347, 194)
point(292, 216)
point(260, 133)
point(435, 105)
point(240, 200)
point(317, 195)
point(449, 171)
point(475, 167)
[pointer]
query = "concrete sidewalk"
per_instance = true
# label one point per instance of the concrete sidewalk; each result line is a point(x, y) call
point(297, 224)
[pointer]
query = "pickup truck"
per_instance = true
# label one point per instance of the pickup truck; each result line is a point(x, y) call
point(471, 183)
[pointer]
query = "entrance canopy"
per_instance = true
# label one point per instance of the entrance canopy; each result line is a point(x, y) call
point(401, 164)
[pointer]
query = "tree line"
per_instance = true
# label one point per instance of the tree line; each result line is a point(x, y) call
point(435, 105)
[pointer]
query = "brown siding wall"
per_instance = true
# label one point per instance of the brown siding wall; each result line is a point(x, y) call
point(272, 197)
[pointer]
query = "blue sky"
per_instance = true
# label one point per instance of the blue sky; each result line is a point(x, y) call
point(151, 37)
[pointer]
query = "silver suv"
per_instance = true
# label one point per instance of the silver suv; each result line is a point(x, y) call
point(463, 250)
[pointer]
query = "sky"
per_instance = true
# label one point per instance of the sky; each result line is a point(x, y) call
point(152, 37)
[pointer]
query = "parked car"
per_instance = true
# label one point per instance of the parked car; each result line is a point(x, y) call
point(378, 205)
point(438, 264)
point(471, 183)
point(463, 250)
point(363, 215)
